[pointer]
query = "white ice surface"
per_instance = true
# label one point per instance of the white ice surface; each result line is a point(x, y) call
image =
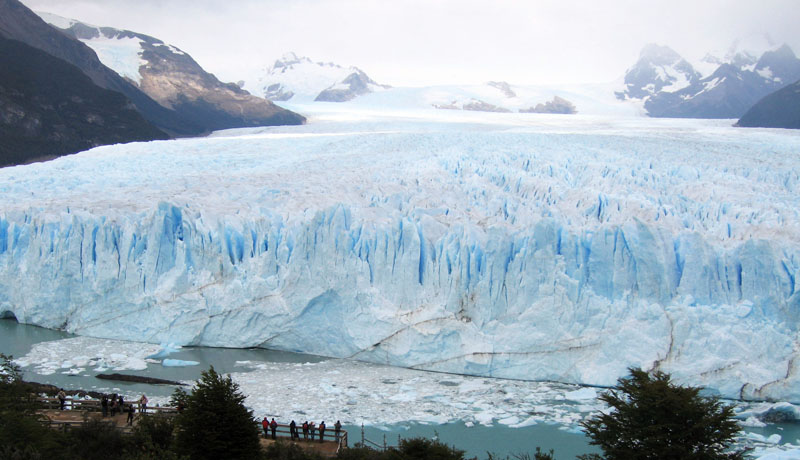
point(76, 354)
point(123, 55)
point(178, 363)
point(56, 20)
point(522, 246)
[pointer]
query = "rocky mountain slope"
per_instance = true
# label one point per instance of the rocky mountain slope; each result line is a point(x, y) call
point(49, 108)
point(780, 109)
point(669, 86)
point(298, 78)
point(173, 79)
point(17, 22)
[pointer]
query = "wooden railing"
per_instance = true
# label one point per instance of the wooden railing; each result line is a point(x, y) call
point(284, 431)
point(94, 405)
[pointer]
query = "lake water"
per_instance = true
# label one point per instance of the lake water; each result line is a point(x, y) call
point(478, 415)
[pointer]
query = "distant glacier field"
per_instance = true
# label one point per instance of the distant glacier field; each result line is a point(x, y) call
point(534, 247)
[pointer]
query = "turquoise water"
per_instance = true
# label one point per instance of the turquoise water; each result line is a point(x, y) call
point(17, 339)
point(500, 440)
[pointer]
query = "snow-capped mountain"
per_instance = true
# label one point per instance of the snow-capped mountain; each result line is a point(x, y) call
point(659, 69)
point(173, 79)
point(669, 86)
point(301, 79)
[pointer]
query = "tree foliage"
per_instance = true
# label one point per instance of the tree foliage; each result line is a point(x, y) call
point(214, 422)
point(652, 418)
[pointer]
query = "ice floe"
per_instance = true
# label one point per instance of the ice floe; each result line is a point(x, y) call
point(75, 354)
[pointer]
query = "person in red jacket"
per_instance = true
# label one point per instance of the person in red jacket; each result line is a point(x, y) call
point(274, 426)
point(265, 424)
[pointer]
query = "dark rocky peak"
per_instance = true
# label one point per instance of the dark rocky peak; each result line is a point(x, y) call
point(780, 109)
point(354, 85)
point(780, 65)
point(658, 67)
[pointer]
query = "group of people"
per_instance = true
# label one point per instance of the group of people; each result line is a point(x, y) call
point(309, 428)
point(113, 404)
point(116, 404)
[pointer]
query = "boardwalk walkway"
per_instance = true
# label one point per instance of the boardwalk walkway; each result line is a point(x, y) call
point(80, 411)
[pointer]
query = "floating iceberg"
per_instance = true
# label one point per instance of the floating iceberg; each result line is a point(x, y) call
point(178, 363)
point(497, 245)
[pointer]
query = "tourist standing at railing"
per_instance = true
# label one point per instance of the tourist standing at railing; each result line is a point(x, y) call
point(293, 431)
point(121, 404)
point(273, 426)
point(130, 414)
point(322, 431)
point(62, 398)
point(311, 428)
point(337, 428)
point(143, 404)
point(113, 404)
point(265, 425)
point(305, 430)
point(104, 405)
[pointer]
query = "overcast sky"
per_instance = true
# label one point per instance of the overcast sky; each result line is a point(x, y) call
point(421, 42)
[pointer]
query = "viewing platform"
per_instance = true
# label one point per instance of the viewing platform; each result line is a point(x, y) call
point(78, 412)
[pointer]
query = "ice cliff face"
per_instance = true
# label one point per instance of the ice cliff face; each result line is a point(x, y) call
point(565, 252)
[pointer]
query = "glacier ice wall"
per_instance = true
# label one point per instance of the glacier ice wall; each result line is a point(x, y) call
point(514, 252)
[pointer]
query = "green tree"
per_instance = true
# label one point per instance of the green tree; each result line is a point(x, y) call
point(214, 423)
point(426, 449)
point(153, 437)
point(21, 433)
point(655, 419)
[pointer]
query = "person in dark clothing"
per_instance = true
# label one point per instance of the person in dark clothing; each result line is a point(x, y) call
point(112, 403)
point(104, 405)
point(121, 404)
point(305, 430)
point(337, 429)
point(322, 431)
point(274, 426)
point(131, 411)
point(312, 429)
point(293, 431)
point(265, 424)
point(62, 399)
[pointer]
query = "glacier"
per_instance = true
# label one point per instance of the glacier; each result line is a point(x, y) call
point(501, 245)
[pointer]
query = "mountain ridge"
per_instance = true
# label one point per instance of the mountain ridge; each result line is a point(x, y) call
point(49, 108)
point(176, 81)
point(669, 86)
